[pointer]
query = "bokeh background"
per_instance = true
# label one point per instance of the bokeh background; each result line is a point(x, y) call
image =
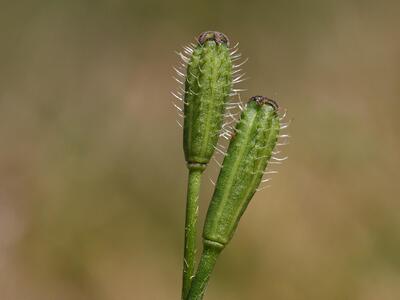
point(92, 176)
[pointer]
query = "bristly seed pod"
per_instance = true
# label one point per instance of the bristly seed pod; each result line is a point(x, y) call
point(247, 157)
point(207, 88)
point(243, 167)
point(208, 84)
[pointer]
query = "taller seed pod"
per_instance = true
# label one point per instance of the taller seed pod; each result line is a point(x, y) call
point(243, 167)
point(208, 84)
point(207, 88)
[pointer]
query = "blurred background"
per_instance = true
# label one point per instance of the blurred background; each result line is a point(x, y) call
point(92, 175)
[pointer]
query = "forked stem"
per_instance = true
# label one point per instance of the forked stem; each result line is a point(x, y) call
point(192, 207)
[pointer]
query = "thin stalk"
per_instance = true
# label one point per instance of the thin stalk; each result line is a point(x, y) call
point(206, 266)
point(192, 207)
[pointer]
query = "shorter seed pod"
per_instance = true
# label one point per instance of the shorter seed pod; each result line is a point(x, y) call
point(207, 87)
point(243, 167)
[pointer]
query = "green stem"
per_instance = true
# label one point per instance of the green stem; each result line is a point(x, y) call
point(209, 257)
point(192, 206)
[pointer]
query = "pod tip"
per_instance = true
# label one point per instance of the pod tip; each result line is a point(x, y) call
point(261, 100)
point(216, 36)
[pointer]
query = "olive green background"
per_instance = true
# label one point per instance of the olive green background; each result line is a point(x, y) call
point(92, 175)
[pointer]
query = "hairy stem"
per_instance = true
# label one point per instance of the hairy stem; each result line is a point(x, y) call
point(206, 266)
point(192, 206)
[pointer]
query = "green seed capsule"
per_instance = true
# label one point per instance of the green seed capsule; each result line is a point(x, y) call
point(243, 167)
point(208, 82)
point(207, 87)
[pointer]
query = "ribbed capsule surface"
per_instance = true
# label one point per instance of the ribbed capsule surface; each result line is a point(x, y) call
point(207, 87)
point(243, 167)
